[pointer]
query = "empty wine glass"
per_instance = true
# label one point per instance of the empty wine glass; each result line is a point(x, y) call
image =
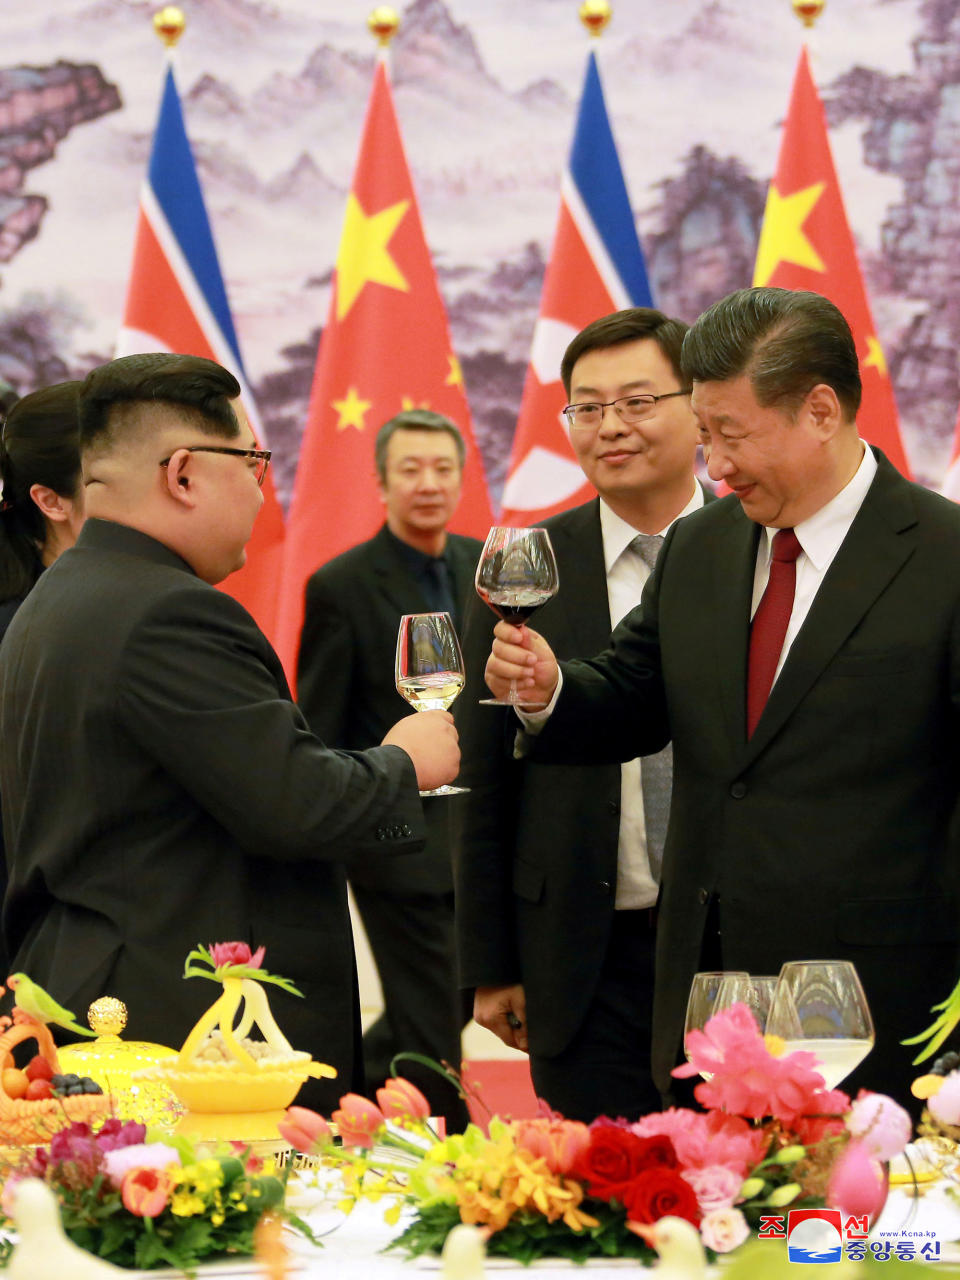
point(819, 1005)
point(758, 997)
point(429, 669)
point(709, 994)
point(516, 574)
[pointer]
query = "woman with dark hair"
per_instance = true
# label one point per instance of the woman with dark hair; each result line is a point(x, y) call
point(42, 498)
point(41, 506)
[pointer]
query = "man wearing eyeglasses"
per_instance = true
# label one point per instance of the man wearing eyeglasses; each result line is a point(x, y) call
point(160, 787)
point(558, 869)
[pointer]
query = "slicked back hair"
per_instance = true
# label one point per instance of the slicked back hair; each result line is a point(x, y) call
point(198, 390)
point(414, 420)
point(786, 341)
point(629, 325)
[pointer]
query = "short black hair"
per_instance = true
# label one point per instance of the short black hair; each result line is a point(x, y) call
point(415, 420)
point(786, 341)
point(198, 389)
point(629, 325)
point(39, 444)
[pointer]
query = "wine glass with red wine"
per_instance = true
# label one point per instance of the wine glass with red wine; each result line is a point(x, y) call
point(516, 574)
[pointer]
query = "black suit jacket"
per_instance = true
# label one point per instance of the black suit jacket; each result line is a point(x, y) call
point(346, 684)
point(828, 834)
point(160, 789)
point(536, 844)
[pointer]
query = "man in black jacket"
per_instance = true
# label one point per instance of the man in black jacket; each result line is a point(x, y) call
point(160, 788)
point(346, 687)
point(557, 871)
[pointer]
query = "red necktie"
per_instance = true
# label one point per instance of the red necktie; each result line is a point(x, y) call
point(770, 622)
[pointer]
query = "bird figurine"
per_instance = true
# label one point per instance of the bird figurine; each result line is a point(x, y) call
point(31, 999)
point(679, 1246)
point(42, 1251)
point(463, 1252)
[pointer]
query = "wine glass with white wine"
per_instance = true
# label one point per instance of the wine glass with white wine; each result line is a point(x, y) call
point(429, 669)
point(819, 1005)
point(516, 574)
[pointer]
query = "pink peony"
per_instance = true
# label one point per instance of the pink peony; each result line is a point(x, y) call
point(398, 1099)
point(358, 1121)
point(881, 1125)
point(304, 1129)
point(559, 1142)
point(717, 1187)
point(945, 1104)
point(236, 953)
point(858, 1184)
point(150, 1155)
point(703, 1140)
point(724, 1229)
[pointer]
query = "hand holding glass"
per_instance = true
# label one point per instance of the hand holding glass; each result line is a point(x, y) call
point(819, 1005)
point(516, 574)
point(429, 668)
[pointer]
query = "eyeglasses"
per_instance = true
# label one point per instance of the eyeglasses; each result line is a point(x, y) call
point(260, 456)
point(630, 409)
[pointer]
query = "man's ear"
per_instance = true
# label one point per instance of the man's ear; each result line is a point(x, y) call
point(179, 478)
point(824, 411)
point(52, 506)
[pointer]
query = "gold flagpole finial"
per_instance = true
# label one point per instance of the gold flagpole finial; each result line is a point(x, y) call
point(169, 23)
point(808, 11)
point(595, 14)
point(383, 23)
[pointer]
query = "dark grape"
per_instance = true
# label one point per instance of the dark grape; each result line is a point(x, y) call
point(945, 1064)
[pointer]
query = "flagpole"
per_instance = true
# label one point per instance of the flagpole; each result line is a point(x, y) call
point(808, 11)
point(595, 16)
point(383, 23)
point(169, 24)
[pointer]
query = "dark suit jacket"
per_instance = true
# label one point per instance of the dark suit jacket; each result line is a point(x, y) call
point(536, 844)
point(827, 834)
point(346, 682)
point(160, 789)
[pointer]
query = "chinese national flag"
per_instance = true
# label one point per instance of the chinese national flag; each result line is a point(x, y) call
point(806, 243)
point(386, 347)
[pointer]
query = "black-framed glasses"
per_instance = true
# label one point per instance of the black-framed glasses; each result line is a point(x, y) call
point(260, 456)
point(630, 409)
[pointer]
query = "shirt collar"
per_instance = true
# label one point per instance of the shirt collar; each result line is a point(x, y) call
point(820, 536)
point(618, 534)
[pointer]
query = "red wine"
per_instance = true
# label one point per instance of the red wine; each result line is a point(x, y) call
point(514, 606)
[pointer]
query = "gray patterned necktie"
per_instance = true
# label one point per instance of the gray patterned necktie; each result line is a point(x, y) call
point(656, 772)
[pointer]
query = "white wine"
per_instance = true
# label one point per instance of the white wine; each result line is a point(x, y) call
point(434, 692)
point(836, 1058)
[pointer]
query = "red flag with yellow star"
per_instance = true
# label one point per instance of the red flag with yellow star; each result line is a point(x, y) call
point(386, 347)
point(806, 243)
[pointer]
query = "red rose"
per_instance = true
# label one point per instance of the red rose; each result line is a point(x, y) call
point(614, 1159)
point(659, 1192)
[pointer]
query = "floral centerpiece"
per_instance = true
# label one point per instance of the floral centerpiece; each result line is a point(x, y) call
point(144, 1200)
point(771, 1138)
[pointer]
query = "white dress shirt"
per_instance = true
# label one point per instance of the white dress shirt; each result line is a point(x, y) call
point(627, 574)
point(820, 538)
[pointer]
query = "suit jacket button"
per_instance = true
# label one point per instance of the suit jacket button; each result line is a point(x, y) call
point(605, 886)
point(738, 790)
point(405, 830)
point(703, 897)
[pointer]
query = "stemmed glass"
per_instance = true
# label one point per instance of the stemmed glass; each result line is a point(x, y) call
point(819, 1005)
point(709, 994)
point(429, 669)
point(758, 997)
point(516, 574)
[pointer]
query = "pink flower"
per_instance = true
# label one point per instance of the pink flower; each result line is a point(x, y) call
point(703, 1140)
point(150, 1155)
point(858, 1184)
point(880, 1124)
point(305, 1130)
point(145, 1191)
point(115, 1133)
point(559, 1142)
point(358, 1120)
point(717, 1187)
point(400, 1100)
point(945, 1104)
point(236, 953)
point(724, 1229)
